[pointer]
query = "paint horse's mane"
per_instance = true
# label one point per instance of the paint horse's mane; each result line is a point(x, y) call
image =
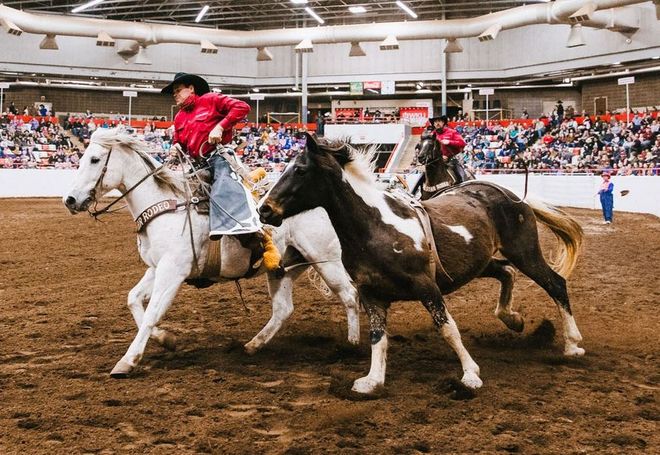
point(358, 161)
point(110, 137)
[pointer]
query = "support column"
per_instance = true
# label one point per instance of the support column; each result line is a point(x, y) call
point(444, 84)
point(304, 88)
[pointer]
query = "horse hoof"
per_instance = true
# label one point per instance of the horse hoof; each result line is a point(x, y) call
point(365, 385)
point(514, 322)
point(472, 380)
point(354, 340)
point(574, 351)
point(251, 348)
point(168, 341)
point(121, 370)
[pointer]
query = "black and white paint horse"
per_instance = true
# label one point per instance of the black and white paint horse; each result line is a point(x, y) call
point(386, 253)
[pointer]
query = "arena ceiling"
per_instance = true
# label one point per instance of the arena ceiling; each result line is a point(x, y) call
point(270, 14)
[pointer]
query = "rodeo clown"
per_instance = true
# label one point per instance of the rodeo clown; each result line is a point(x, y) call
point(204, 121)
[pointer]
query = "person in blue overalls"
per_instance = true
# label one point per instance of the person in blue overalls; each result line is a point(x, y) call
point(606, 193)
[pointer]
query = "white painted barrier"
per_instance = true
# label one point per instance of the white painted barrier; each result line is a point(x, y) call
point(581, 190)
point(561, 190)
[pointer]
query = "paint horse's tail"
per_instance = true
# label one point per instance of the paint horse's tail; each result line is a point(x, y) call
point(568, 233)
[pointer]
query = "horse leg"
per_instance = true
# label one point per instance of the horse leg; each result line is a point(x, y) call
point(377, 323)
point(136, 298)
point(335, 276)
point(169, 276)
point(505, 274)
point(443, 321)
point(532, 264)
point(281, 294)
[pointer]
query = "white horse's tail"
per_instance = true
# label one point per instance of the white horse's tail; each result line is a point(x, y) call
point(317, 281)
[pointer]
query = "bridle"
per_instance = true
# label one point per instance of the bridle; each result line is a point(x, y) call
point(96, 213)
point(435, 157)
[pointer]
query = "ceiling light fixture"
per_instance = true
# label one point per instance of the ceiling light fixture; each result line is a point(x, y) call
point(357, 9)
point(311, 12)
point(85, 6)
point(407, 9)
point(299, 2)
point(202, 13)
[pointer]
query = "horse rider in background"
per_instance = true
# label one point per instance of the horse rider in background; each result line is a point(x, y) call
point(204, 122)
point(451, 144)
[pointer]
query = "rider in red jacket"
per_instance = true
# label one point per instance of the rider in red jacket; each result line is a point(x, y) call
point(451, 144)
point(204, 121)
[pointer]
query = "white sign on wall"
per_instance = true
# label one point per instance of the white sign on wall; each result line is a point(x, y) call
point(4, 85)
point(130, 94)
point(626, 80)
point(486, 91)
point(388, 88)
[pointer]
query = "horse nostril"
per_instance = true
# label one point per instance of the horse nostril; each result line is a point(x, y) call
point(70, 201)
point(265, 211)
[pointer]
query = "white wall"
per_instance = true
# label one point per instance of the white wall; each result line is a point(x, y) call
point(567, 191)
point(385, 133)
point(580, 191)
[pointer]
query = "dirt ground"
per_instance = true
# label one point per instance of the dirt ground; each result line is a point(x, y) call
point(64, 323)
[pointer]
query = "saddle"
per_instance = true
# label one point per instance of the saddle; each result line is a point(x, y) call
point(221, 261)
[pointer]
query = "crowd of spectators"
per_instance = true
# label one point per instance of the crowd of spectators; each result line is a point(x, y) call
point(269, 147)
point(39, 142)
point(554, 144)
point(566, 145)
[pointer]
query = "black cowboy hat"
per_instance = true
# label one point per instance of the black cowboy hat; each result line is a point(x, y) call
point(442, 118)
point(201, 86)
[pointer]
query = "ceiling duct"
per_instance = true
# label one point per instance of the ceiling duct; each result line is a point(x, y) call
point(453, 46)
point(208, 47)
point(389, 44)
point(104, 40)
point(49, 43)
point(264, 55)
point(596, 13)
point(129, 49)
point(575, 38)
point(356, 50)
point(491, 33)
point(10, 27)
point(304, 47)
point(583, 14)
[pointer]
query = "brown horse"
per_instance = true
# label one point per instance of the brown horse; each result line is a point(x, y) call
point(437, 176)
point(386, 252)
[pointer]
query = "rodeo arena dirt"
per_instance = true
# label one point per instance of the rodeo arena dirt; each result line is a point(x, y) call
point(225, 234)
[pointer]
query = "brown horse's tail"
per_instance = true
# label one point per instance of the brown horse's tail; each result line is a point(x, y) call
point(568, 233)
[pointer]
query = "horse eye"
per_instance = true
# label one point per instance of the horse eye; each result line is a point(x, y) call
point(299, 170)
point(95, 160)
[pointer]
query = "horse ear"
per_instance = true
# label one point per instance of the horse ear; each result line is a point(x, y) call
point(312, 145)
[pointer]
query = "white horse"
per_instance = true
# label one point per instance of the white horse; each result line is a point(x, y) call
point(116, 160)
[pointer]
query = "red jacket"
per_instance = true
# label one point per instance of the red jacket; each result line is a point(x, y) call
point(456, 142)
point(192, 126)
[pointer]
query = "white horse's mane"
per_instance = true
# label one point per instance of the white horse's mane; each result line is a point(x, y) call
point(110, 137)
point(361, 161)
